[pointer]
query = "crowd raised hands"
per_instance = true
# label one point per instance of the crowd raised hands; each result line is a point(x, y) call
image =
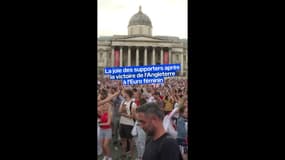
point(116, 106)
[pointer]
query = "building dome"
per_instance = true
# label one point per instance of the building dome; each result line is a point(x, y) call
point(140, 19)
point(140, 24)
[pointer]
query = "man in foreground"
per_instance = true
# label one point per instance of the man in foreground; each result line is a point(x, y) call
point(160, 145)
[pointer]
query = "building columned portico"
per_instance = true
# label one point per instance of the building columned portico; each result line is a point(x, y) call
point(140, 48)
point(125, 55)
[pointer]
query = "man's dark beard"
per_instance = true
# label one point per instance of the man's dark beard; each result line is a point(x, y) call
point(150, 132)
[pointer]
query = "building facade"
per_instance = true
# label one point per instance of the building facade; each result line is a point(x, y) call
point(139, 47)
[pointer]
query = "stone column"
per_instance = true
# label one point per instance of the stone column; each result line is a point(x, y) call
point(112, 56)
point(129, 56)
point(145, 56)
point(121, 56)
point(169, 56)
point(137, 56)
point(182, 63)
point(186, 60)
point(153, 55)
point(161, 56)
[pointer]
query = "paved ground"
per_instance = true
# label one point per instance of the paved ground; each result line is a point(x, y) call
point(115, 154)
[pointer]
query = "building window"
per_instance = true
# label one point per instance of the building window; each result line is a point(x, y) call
point(177, 57)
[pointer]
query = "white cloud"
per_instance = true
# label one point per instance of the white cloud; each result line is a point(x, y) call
point(168, 17)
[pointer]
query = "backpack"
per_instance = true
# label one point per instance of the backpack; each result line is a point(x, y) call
point(131, 109)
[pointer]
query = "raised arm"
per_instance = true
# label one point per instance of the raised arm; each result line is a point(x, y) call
point(109, 98)
point(180, 105)
point(121, 107)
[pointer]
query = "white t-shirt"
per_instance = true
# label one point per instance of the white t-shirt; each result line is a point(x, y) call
point(167, 123)
point(124, 120)
point(151, 99)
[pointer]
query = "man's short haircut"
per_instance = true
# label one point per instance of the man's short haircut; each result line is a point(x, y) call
point(151, 108)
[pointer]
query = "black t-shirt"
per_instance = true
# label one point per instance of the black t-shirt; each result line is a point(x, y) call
point(164, 148)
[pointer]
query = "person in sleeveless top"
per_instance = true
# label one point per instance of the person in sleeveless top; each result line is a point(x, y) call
point(105, 120)
point(127, 110)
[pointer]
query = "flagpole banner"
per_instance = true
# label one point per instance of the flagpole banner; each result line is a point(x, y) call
point(165, 58)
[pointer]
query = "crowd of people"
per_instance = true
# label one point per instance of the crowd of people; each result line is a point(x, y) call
point(143, 122)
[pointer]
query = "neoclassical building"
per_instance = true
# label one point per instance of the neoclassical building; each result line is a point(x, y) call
point(140, 47)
